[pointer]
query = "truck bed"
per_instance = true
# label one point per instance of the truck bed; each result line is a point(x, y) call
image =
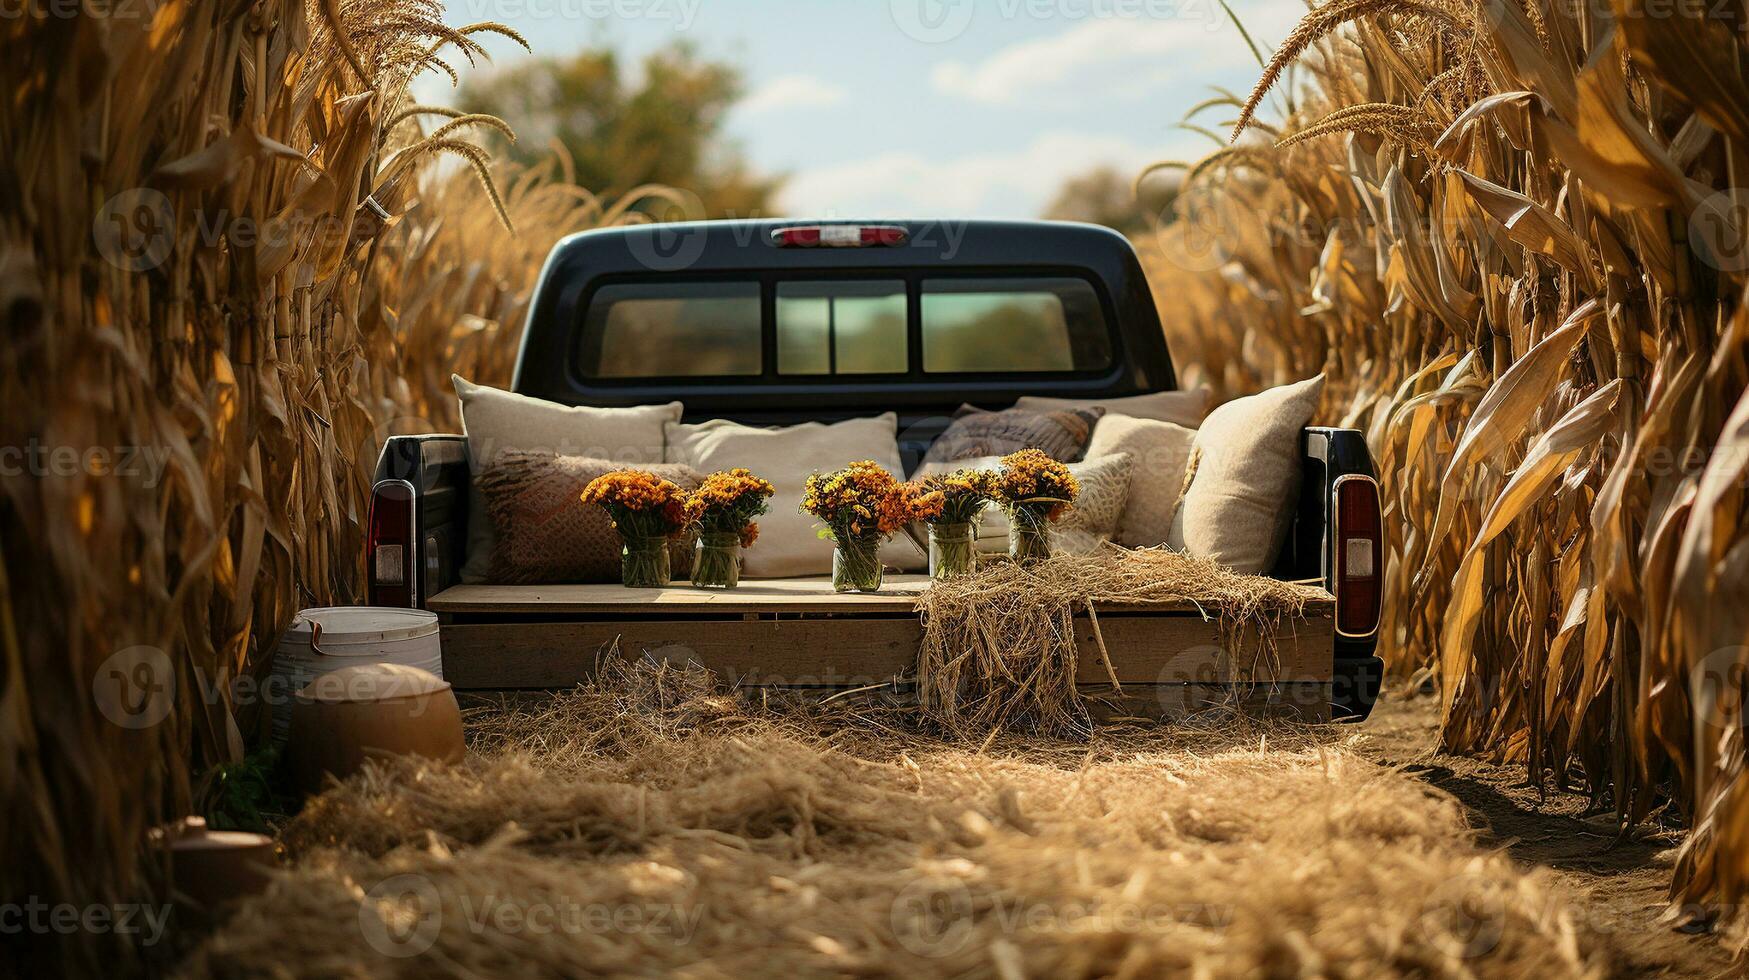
point(798, 633)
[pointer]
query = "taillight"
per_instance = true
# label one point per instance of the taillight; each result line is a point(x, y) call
point(389, 552)
point(1360, 555)
point(839, 236)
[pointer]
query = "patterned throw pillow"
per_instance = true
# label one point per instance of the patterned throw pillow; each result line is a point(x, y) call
point(1061, 434)
point(1159, 452)
point(544, 534)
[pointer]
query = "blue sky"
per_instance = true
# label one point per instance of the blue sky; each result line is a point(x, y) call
point(952, 108)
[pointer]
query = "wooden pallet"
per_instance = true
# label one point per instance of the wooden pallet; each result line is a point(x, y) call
point(797, 633)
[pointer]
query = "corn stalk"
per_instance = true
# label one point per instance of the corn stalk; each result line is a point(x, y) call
point(1513, 236)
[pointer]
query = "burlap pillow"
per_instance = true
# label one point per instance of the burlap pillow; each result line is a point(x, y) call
point(498, 422)
point(543, 534)
point(1243, 478)
point(1186, 408)
point(1158, 452)
point(1061, 434)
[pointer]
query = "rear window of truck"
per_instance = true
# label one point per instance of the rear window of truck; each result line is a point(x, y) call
point(844, 327)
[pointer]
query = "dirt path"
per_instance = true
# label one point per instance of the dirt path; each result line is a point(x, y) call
point(1623, 885)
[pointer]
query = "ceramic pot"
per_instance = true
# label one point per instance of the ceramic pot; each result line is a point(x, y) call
point(210, 869)
point(371, 710)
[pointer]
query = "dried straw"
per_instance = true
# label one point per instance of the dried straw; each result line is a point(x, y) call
point(691, 831)
point(999, 647)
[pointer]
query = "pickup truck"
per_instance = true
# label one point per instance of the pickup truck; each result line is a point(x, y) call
point(710, 338)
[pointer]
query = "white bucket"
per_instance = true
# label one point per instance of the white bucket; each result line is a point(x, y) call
point(331, 637)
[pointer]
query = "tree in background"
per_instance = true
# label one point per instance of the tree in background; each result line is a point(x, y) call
point(1104, 196)
point(663, 127)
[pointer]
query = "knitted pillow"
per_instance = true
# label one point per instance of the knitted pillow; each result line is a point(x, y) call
point(498, 422)
point(1186, 408)
point(544, 534)
point(1061, 434)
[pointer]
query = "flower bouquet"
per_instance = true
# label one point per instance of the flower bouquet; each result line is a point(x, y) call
point(646, 510)
point(721, 512)
point(1034, 491)
point(949, 506)
point(861, 505)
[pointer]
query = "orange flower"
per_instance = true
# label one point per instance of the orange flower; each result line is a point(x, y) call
point(954, 498)
point(859, 500)
point(727, 502)
point(639, 503)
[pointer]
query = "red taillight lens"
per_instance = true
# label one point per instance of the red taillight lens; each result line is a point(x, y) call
point(839, 236)
point(388, 550)
point(1360, 556)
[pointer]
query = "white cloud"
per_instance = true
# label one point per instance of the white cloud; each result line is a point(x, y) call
point(1015, 184)
point(793, 92)
point(1121, 57)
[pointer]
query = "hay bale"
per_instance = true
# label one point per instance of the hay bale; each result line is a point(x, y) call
point(999, 645)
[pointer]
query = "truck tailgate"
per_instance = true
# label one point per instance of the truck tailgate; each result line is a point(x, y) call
point(797, 633)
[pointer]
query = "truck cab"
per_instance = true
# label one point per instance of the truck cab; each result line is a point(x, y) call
point(781, 322)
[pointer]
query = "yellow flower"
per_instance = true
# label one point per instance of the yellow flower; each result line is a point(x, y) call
point(1032, 479)
point(861, 498)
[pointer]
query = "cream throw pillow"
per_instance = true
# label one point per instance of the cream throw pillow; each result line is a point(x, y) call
point(1158, 453)
point(788, 540)
point(1105, 485)
point(1244, 477)
point(497, 422)
point(1185, 408)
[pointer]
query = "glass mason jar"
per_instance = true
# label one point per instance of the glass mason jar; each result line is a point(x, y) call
point(856, 564)
point(644, 563)
point(1029, 535)
point(952, 549)
point(716, 560)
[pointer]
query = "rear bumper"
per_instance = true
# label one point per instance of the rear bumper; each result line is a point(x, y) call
point(1354, 686)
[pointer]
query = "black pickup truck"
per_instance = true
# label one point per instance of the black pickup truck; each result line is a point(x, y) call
point(709, 335)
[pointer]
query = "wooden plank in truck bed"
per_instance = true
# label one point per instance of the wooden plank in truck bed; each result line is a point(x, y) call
point(798, 633)
point(811, 594)
point(852, 652)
